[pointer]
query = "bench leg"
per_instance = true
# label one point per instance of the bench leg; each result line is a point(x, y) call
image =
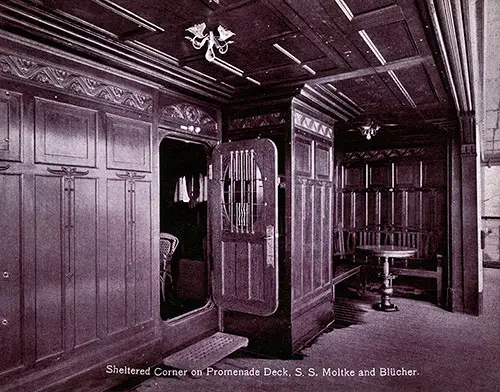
point(439, 285)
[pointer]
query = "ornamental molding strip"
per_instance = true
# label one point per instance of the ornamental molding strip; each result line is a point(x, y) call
point(468, 149)
point(189, 115)
point(309, 124)
point(257, 121)
point(83, 85)
point(433, 152)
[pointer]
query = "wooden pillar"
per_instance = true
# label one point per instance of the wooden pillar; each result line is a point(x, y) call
point(464, 295)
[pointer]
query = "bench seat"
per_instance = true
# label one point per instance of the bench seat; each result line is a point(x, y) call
point(427, 263)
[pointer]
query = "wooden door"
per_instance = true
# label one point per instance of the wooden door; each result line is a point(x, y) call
point(129, 223)
point(66, 258)
point(10, 264)
point(244, 212)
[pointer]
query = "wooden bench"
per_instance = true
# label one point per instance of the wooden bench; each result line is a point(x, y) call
point(427, 263)
point(344, 265)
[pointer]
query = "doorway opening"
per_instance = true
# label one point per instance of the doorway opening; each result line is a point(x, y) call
point(183, 222)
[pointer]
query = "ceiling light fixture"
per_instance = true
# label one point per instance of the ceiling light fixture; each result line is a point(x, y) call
point(369, 129)
point(219, 43)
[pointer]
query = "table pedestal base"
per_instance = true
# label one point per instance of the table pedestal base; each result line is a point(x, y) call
point(386, 291)
point(386, 308)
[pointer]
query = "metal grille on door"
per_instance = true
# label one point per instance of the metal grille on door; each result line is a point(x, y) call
point(243, 192)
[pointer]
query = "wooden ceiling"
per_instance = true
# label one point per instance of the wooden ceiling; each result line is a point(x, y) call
point(380, 55)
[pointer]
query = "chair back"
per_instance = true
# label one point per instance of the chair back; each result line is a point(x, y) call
point(369, 236)
point(412, 239)
point(168, 244)
point(344, 243)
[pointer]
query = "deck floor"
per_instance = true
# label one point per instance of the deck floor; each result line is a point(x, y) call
point(439, 350)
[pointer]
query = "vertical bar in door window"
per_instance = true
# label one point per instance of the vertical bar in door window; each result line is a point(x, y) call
point(230, 190)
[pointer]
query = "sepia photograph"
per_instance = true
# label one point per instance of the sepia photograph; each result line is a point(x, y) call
point(249, 195)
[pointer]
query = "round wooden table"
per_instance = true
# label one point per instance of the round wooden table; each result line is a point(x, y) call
point(387, 252)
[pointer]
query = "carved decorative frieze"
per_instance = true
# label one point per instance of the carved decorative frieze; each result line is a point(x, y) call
point(4, 166)
point(257, 121)
point(468, 149)
point(190, 117)
point(435, 152)
point(303, 121)
point(72, 82)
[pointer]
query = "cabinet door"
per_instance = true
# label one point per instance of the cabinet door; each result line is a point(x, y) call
point(129, 220)
point(50, 267)
point(118, 248)
point(142, 243)
point(244, 212)
point(82, 281)
point(10, 268)
point(128, 144)
point(64, 134)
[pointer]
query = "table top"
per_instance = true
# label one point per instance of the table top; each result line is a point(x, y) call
point(387, 250)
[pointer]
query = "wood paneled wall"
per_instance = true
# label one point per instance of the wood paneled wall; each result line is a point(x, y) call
point(402, 188)
point(77, 229)
point(312, 215)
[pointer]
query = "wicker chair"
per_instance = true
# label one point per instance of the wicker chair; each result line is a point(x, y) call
point(168, 244)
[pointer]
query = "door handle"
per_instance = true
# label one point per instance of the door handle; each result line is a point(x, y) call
point(270, 245)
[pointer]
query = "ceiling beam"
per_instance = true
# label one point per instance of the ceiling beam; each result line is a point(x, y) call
point(391, 66)
point(283, 9)
point(382, 16)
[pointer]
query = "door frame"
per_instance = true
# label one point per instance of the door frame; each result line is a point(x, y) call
point(208, 145)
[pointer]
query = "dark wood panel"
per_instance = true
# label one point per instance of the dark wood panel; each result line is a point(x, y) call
point(362, 6)
point(256, 291)
point(117, 216)
point(318, 211)
point(10, 126)
point(373, 205)
point(393, 40)
point(128, 144)
point(370, 92)
point(100, 16)
point(323, 162)
point(85, 261)
point(354, 176)
point(414, 206)
point(10, 267)
point(303, 156)
point(310, 319)
point(301, 47)
point(327, 233)
point(385, 209)
point(64, 134)
point(359, 212)
point(406, 174)
point(379, 175)
point(306, 247)
point(50, 269)
point(420, 85)
point(434, 174)
point(347, 209)
point(144, 289)
point(417, 199)
point(297, 240)
point(228, 261)
point(401, 208)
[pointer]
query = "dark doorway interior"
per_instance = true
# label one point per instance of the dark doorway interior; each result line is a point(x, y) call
point(183, 214)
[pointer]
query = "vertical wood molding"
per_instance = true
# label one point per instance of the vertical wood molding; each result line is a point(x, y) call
point(452, 24)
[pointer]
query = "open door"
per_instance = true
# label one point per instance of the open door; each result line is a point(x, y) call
point(244, 215)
